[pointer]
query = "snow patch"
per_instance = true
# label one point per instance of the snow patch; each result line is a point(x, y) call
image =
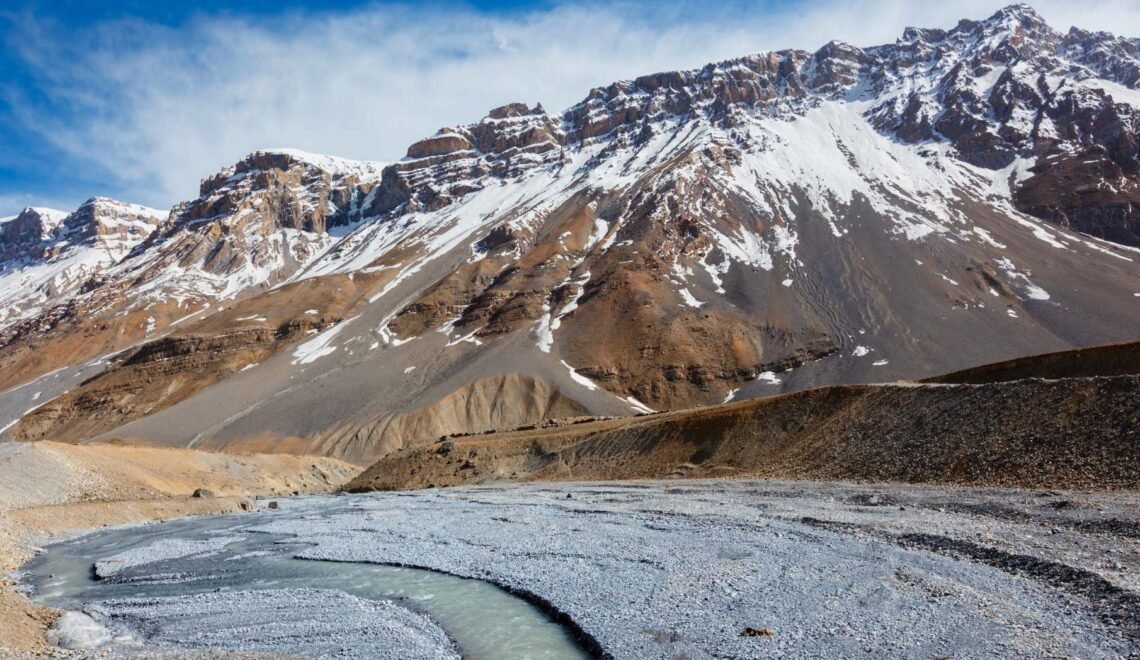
point(542, 327)
point(769, 377)
point(637, 405)
point(319, 346)
point(579, 378)
point(1030, 290)
point(601, 228)
point(987, 238)
point(689, 298)
point(545, 326)
point(468, 338)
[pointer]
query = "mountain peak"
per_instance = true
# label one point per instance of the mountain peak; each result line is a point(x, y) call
point(25, 233)
point(110, 223)
point(110, 204)
point(1013, 18)
point(1018, 12)
point(332, 164)
point(1018, 19)
point(514, 110)
point(51, 216)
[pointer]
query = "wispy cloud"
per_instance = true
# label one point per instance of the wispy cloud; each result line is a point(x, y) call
point(155, 109)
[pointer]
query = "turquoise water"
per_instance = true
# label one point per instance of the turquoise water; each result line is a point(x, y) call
point(483, 620)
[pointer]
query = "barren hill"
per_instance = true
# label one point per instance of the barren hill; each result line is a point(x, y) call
point(1037, 431)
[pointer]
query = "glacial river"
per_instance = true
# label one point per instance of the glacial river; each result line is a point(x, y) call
point(167, 568)
point(637, 570)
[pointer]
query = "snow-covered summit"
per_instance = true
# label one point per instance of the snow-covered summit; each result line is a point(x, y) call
point(334, 165)
point(46, 256)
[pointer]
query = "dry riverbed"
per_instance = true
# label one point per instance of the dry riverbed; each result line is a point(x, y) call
point(653, 569)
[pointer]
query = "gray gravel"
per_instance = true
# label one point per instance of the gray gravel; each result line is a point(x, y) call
point(663, 570)
point(161, 550)
point(298, 622)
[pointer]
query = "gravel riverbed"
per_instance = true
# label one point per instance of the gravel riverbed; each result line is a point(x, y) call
point(657, 570)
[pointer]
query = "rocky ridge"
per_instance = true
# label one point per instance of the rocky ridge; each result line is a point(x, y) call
point(49, 256)
point(765, 224)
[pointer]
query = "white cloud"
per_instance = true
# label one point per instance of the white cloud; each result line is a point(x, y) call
point(158, 108)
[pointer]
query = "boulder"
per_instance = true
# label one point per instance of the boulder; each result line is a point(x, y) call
point(77, 631)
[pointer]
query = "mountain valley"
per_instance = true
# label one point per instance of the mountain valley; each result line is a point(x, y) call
point(829, 353)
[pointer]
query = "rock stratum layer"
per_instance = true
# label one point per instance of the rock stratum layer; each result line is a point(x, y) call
point(767, 224)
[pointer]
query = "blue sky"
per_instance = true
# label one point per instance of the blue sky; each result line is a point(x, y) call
point(140, 100)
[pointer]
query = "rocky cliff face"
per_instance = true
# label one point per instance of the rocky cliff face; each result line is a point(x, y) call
point(765, 224)
point(1059, 109)
point(1005, 92)
point(25, 237)
point(254, 225)
point(48, 256)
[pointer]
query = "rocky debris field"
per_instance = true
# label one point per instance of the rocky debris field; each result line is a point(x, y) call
point(695, 569)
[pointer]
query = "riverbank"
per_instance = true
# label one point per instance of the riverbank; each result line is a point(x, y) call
point(49, 489)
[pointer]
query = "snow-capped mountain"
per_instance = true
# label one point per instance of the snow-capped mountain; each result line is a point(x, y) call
point(47, 256)
point(774, 222)
point(254, 225)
